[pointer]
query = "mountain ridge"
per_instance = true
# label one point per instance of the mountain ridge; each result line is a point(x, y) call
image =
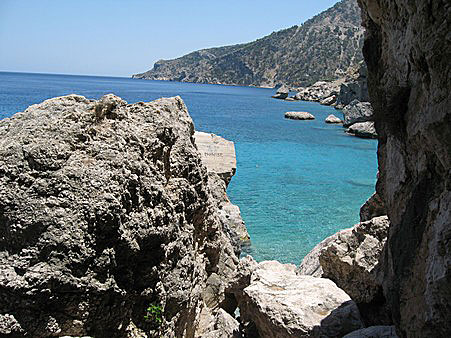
point(322, 48)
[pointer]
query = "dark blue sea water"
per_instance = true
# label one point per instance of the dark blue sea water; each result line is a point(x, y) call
point(297, 181)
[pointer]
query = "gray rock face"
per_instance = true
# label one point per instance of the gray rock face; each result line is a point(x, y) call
point(407, 53)
point(349, 259)
point(357, 112)
point(373, 207)
point(332, 119)
point(219, 157)
point(363, 130)
point(282, 304)
point(299, 115)
point(355, 87)
point(105, 209)
point(223, 325)
point(374, 332)
point(282, 93)
point(320, 91)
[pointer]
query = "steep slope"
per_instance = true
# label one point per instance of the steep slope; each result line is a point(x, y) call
point(407, 50)
point(320, 49)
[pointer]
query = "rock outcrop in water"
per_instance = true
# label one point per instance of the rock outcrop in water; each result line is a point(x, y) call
point(219, 157)
point(407, 50)
point(105, 209)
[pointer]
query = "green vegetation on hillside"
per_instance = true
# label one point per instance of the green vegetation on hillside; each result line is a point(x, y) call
point(320, 49)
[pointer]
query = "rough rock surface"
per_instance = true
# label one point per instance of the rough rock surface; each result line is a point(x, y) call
point(373, 207)
point(332, 119)
point(299, 115)
point(282, 93)
point(407, 50)
point(219, 157)
point(351, 256)
point(310, 264)
point(357, 111)
point(355, 87)
point(282, 304)
point(223, 325)
point(319, 91)
point(362, 129)
point(374, 332)
point(105, 209)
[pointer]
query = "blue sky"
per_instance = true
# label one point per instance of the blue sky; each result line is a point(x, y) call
point(122, 37)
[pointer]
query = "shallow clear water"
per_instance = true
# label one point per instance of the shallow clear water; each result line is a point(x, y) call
point(297, 182)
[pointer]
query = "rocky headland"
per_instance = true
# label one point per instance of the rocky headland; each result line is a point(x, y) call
point(321, 48)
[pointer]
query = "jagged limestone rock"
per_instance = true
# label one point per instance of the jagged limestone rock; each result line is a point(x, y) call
point(105, 209)
point(356, 112)
point(349, 259)
point(282, 304)
point(373, 207)
point(407, 51)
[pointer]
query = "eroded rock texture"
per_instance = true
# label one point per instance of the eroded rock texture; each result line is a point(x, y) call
point(105, 209)
point(282, 304)
point(407, 50)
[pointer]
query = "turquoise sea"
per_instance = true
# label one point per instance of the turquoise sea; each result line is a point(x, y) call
point(297, 182)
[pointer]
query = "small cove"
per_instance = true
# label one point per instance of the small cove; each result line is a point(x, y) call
point(297, 181)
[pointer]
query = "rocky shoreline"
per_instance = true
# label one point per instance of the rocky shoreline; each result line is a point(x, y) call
point(348, 94)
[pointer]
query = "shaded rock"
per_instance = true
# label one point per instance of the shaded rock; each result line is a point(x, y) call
point(105, 208)
point(373, 207)
point(351, 255)
point(407, 53)
point(363, 130)
point(374, 332)
point(299, 115)
point(357, 112)
point(332, 119)
point(223, 325)
point(283, 304)
point(282, 93)
point(355, 87)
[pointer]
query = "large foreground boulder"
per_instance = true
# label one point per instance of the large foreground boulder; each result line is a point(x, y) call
point(281, 304)
point(350, 258)
point(407, 50)
point(105, 210)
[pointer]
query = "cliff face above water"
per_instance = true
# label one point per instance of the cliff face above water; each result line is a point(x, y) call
point(320, 49)
point(105, 209)
point(407, 50)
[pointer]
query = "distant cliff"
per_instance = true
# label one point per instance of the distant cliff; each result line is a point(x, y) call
point(320, 49)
